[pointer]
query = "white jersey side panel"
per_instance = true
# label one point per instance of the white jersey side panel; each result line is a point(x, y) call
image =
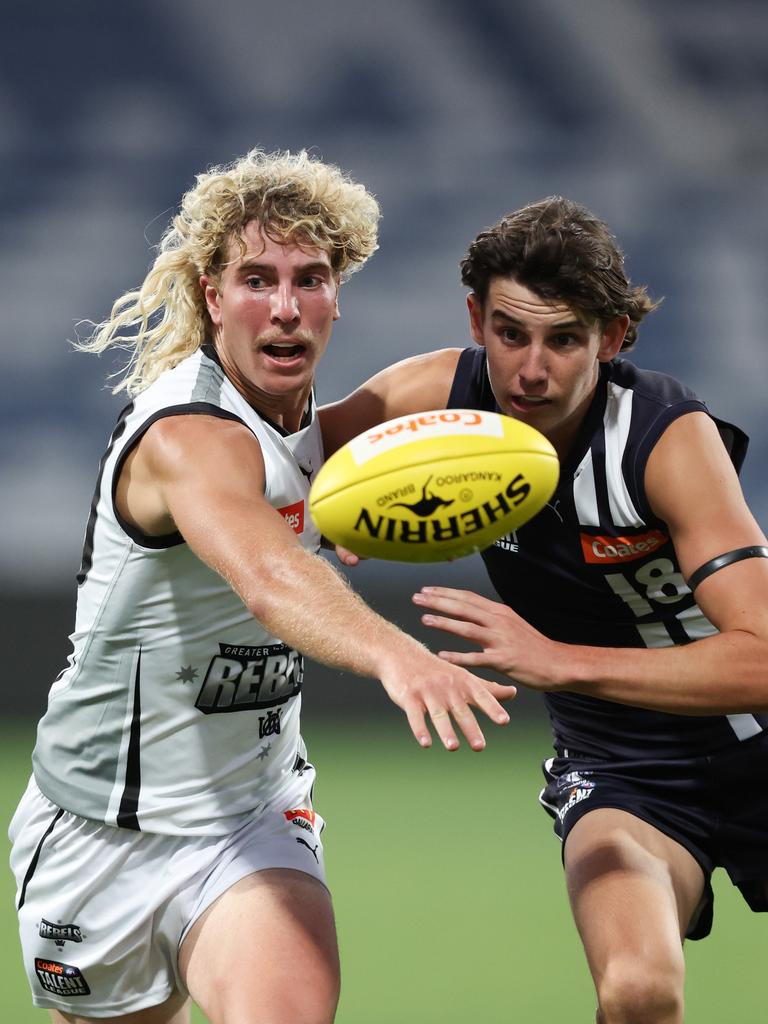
point(178, 711)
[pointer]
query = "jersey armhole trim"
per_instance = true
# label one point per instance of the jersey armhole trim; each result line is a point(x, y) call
point(645, 446)
point(166, 540)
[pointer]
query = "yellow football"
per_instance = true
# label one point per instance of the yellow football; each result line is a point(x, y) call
point(434, 485)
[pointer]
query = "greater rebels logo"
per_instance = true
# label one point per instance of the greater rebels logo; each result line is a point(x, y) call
point(302, 817)
point(294, 516)
point(243, 678)
point(610, 550)
point(60, 933)
point(60, 979)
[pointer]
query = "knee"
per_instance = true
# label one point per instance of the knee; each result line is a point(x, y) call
point(633, 992)
point(306, 1007)
point(297, 1005)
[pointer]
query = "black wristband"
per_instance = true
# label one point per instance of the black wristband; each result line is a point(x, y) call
point(721, 561)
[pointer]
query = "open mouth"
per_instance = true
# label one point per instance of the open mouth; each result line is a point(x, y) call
point(529, 402)
point(284, 350)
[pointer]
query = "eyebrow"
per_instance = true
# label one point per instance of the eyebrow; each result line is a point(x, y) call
point(498, 314)
point(249, 265)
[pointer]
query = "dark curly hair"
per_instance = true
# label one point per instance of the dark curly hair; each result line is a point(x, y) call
point(563, 252)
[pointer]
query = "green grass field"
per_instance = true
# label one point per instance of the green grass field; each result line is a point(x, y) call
point(448, 891)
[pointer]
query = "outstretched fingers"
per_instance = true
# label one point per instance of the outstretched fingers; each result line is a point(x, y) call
point(461, 604)
point(441, 719)
point(486, 623)
point(449, 707)
point(459, 627)
point(415, 714)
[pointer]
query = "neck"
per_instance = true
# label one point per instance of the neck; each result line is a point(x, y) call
point(287, 411)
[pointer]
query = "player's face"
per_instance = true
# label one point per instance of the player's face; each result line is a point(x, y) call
point(542, 356)
point(272, 310)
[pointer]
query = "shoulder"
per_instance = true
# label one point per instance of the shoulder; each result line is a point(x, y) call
point(194, 388)
point(642, 404)
point(650, 386)
point(180, 445)
point(471, 387)
point(437, 367)
point(417, 384)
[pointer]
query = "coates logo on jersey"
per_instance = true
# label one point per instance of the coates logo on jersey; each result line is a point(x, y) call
point(294, 516)
point(600, 550)
point(301, 816)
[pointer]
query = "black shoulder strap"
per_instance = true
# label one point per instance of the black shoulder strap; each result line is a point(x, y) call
point(471, 388)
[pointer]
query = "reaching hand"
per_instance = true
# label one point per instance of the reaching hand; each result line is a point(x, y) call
point(509, 644)
point(422, 684)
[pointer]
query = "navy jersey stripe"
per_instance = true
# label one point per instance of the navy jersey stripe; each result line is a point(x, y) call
point(36, 857)
point(127, 816)
point(87, 559)
point(601, 479)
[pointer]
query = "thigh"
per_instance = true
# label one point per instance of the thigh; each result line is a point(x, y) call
point(89, 901)
point(268, 941)
point(633, 890)
point(174, 1011)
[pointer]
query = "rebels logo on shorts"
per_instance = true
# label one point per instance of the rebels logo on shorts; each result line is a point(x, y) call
point(60, 979)
point(60, 933)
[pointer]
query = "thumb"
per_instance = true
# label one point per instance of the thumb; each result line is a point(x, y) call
point(346, 557)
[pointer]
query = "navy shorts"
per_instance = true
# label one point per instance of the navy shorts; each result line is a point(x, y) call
point(715, 806)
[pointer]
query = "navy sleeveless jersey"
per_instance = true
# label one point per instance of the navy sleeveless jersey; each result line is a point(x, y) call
point(597, 567)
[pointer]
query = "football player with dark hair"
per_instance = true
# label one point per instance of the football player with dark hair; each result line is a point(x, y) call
point(635, 600)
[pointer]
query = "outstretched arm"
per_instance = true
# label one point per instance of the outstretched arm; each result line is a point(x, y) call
point(418, 384)
point(692, 486)
point(205, 477)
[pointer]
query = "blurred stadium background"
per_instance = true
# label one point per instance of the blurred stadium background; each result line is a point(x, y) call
point(653, 114)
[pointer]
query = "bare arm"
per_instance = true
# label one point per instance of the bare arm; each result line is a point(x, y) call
point(205, 477)
point(418, 384)
point(692, 486)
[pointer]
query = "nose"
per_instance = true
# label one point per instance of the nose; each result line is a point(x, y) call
point(533, 370)
point(284, 305)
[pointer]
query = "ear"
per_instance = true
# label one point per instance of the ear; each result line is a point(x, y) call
point(476, 317)
point(212, 299)
point(612, 338)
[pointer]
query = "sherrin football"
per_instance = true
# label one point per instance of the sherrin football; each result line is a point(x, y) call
point(434, 485)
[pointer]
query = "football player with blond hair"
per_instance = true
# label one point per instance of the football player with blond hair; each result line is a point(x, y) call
point(167, 845)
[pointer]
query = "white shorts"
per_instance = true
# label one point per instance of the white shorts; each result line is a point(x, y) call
point(103, 910)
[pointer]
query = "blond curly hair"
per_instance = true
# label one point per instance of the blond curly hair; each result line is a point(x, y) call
point(290, 195)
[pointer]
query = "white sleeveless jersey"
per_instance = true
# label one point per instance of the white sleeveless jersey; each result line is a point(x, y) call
point(178, 711)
